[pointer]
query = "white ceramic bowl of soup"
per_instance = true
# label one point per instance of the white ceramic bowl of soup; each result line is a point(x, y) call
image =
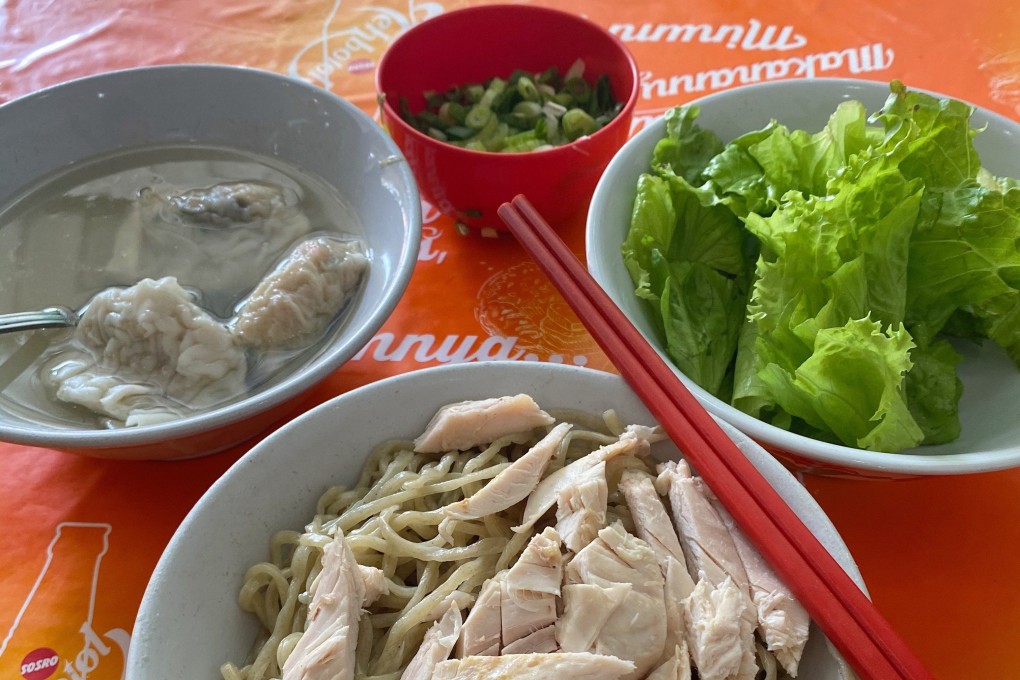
point(189, 621)
point(990, 435)
point(185, 127)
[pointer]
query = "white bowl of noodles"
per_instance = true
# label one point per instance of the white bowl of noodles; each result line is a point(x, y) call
point(190, 623)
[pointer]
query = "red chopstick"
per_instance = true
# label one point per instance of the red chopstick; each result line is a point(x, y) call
point(842, 611)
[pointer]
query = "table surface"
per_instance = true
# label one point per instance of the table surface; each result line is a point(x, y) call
point(80, 536)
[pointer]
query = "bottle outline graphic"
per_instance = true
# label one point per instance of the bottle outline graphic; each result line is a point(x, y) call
point(96, 646)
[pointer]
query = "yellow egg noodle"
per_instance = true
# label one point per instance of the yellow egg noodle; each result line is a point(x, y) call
point(393, 520)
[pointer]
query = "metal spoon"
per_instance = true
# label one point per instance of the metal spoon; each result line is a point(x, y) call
point(50, 317)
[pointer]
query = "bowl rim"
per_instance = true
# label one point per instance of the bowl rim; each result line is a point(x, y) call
point(835, 456)
point(84, 440)
point(543, 373)
point(393, 117)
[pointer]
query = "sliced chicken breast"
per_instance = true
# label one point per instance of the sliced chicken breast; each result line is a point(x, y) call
point(514, 483)
point(783, 623)
point(634, 441)
point(651, 521)
point(375, 582)
point(711, 551)
point(325, 651)
point(717, 629)
point(542, 641)
point(707, 542)
point(531, 587)
point(678, 587)
point(573, 665)
point(653, 525)
point(587, 608)
point(482, 631)
point(582, 506)
point(539, 569)
point(636, 629)
point(466, 424)
point(436, 647)
point(677, 665)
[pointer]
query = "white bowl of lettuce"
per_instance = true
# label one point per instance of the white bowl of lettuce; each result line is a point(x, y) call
point(832, 266)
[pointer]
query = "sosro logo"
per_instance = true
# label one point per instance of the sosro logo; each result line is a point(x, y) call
point(39, 664)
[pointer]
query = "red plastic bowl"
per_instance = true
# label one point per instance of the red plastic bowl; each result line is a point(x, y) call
point(474, 44)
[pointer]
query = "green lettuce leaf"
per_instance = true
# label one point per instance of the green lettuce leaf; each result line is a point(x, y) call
point(828, 263)
point(703, 311)
point(754, 171)
point(966, 258)
point(933, 392)
point(931, 137)
point(688, 261)
point(829, 259)
point(750, 394)
point(853, 386)
point(709, 234)
point(653, 220)
point(737, 180)
point(805, 162)
point(687, 148)
point(999, 319)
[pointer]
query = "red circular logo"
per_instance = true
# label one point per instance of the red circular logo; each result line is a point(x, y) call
point(40, 664)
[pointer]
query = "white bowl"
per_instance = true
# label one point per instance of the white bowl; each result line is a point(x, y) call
point(990, 438)
point(239, 109)
point(189, 621)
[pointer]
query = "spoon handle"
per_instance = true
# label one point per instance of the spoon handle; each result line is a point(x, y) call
point(51, 317)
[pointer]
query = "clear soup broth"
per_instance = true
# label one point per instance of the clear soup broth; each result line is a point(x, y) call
point(114, 220)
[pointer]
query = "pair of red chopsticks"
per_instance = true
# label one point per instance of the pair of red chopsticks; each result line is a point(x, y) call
point(835, 603)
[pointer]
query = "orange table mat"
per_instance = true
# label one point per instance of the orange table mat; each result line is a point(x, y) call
point(80, 536)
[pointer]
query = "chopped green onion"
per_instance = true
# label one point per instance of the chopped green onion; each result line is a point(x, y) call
point(552, 129)
point(487, 133)
point(526, 111)
point(576, 123)
point(541, 129)
point(579, 89)
point(547, 90)
point(576, 70)
point(473, 93)
point(430, 119)
point(433, 99)
point(495, 88)
point(554, 109)
point(550, 75)
point(527, 89)
point(478, 117)
point(459, 133)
